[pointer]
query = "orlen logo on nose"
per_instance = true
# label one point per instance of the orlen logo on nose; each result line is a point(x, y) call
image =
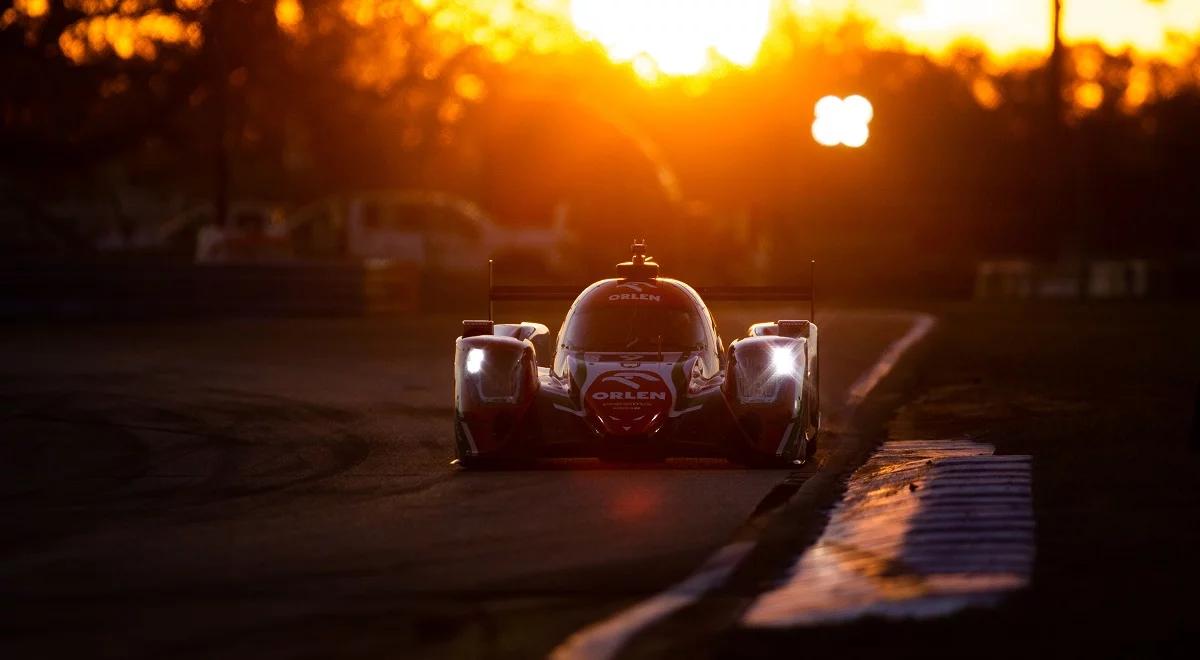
point(637, 396)
point(635, 296)
point(629, 401)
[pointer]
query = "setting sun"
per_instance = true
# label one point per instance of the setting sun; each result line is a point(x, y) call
point(675, 37)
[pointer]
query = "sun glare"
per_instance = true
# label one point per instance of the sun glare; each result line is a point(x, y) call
point(676, 37)
point(1016, 28)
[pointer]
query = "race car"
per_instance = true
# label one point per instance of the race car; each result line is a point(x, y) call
point(638, 373)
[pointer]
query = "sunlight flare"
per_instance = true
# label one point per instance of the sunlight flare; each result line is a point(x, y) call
point(678, 37)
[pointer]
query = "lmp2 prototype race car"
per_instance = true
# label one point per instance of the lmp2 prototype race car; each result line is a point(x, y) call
point(639, 373)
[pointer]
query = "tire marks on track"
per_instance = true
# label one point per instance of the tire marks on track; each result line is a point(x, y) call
point(139, 451)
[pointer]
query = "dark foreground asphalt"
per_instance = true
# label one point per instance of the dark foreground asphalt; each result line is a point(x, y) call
point(282, 488)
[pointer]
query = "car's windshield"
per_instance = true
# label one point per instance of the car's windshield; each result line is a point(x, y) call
point(634, 327)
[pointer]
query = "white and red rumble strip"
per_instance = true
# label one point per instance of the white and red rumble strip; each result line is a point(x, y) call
point(925, 528)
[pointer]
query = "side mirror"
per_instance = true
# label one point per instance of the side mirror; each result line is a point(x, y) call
point(540, 336)
point(477, 328)
point(536, 333)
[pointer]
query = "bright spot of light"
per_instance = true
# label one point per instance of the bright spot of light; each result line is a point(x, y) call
point(985, 92)
point(783, 361)
point(828, 106)
point(1089, 95)
point(32, 8)
point(288, 14)
point(474, 360)
point(859, 106)
point(842, 121)
point(678, 36)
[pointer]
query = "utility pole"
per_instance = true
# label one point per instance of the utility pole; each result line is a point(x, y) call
point(1062, 204)
point(1068, 163)
point(219, 72)
point(1054, 68)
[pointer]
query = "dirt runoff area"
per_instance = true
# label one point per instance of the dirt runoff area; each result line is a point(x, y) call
point(1104, 398)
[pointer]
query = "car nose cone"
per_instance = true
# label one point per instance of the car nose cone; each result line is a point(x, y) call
point(628, 403)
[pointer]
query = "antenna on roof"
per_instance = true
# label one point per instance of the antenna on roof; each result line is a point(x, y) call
point(639, 251)
point(640, 267)
point(491, 288)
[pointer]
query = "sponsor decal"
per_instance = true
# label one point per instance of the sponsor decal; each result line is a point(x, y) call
point(635, 296)
point(629, 400)
point(640, 396)
point(635, 286)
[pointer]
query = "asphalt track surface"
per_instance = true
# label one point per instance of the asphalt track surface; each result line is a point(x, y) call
point(284, 488)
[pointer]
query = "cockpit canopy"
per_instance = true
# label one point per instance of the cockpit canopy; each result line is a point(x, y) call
point(637, 316)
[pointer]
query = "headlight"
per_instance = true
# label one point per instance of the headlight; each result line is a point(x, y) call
point(496, 373)
point(761, 373)
point(474, 360)
point(783, 361)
